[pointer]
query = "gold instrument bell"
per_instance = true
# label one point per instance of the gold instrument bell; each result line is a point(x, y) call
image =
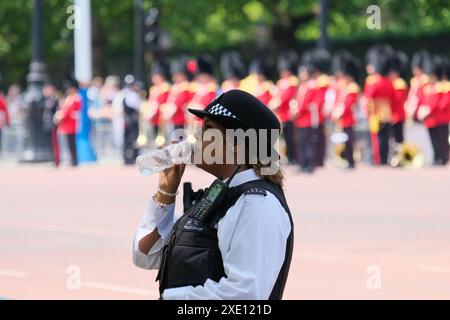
point(338, 138)
point(408, 156)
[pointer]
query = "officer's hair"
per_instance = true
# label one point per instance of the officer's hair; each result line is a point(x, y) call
point(276, 178)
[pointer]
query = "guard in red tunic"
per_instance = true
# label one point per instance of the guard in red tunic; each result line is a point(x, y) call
point(346, 73)
point(67, 117)
point(444, 106)
point(398, 69)
point(4, 115)
point(158, 94)
point(417, 82)
point(378, 100)
point(286, 90)
point(310, 116)
point(233, 70)
point(429, 111)
point(180, 94)
point(204, 88)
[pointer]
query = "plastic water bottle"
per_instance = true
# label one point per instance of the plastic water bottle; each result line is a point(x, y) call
point(160, 159)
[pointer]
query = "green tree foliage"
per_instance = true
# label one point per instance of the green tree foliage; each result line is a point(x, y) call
point(202, 25)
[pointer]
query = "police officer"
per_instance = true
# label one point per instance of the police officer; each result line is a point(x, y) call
point(242, 247)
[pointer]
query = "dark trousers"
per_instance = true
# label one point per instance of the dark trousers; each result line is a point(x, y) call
point(383, 142)
point(306, 148)
point(348, 151)
point(288, 134)
point(397, 131)
point(319, 143)
point(436, 144)
point(444, 145)
point(72, 148)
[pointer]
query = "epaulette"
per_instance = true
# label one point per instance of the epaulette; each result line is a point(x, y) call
point(184, 86)
point(371, 79)
point(293, 81)
point(352, 88)
point(322, 81)
point(439, 87)
point(256, 190)
point(193, 86)
point(447, 86)
point(164, 87)
point(426, 88)
point(400, 84)
point(212, 87)
point(267, 86)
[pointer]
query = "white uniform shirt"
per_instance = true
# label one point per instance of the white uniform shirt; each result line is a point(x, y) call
point(252, 239)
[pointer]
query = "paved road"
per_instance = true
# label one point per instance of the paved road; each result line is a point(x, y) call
point(375, 233)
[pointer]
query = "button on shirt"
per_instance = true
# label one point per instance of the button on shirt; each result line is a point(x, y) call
point(252, 240)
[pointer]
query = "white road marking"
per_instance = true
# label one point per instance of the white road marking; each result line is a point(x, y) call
point(118, 288)
point(13, 274)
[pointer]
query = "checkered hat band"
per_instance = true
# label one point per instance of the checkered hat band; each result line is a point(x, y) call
point(218, 109)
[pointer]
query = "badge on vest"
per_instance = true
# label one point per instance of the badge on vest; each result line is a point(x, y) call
point(259, 191)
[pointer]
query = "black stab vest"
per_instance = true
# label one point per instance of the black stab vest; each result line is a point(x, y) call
point(192, 255)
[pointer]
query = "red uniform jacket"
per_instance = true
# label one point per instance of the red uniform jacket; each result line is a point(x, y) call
point(400, 95)
point(158, 95)
point(180, 95)
point(346, 99)
point(380, 94)
point(322, 84)
point(287, 89)
point(430, 99)
point(306, 106)
point(4, 110)
point(311, 100)
point(70, 109)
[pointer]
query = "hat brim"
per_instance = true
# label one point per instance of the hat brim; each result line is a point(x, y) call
point(226, 122)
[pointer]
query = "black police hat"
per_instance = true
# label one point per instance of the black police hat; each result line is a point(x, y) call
point(236, 109)
point(288, 61)
point(160, 67)
point(232, 65)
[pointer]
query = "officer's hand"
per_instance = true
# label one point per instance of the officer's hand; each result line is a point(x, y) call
point(169, 181)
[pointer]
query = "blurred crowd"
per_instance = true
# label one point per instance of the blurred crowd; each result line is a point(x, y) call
point(319, 99)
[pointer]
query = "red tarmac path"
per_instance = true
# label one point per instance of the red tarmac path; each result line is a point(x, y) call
point(396, 220)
